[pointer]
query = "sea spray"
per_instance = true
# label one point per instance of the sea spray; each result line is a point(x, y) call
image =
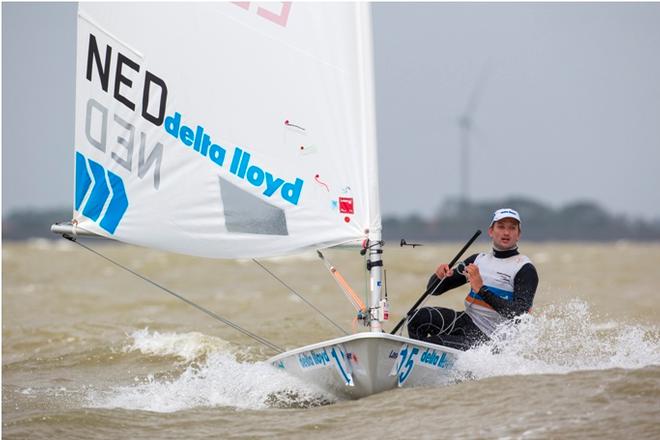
point(213, 377)
point(184, 346)
point(560, 339)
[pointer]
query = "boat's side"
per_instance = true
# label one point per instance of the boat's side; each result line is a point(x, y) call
point(366, 363)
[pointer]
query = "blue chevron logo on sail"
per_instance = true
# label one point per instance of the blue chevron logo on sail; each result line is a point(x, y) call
point(94, 204)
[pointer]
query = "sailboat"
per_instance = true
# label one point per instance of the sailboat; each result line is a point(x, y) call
point(242, 130)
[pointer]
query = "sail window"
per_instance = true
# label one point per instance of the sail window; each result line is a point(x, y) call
point(247, 213)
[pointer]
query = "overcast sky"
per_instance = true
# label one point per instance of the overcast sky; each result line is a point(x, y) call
point(567, 103)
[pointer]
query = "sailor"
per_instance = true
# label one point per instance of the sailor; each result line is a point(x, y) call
point(502, 286)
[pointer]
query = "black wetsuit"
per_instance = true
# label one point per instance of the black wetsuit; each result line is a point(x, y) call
point(455, 329)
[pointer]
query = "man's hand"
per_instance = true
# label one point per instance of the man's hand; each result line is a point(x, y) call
point(443, 271)
point(474, 277)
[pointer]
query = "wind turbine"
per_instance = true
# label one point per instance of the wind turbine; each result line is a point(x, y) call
point(466, 127)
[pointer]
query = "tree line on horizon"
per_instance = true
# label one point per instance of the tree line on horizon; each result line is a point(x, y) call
point(455, 221)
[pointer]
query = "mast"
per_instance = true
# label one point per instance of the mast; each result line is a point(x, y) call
point(378, 307)
point(377, 302)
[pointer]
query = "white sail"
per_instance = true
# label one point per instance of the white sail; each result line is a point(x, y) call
point(226, 129)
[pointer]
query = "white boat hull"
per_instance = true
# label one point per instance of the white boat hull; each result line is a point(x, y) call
point(362, 364)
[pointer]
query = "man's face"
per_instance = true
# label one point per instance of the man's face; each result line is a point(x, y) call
point(505, 234)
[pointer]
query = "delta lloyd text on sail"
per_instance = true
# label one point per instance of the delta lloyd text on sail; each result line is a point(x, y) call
point(240, 165)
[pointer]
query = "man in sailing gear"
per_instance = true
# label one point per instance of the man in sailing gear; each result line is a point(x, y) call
point(503, 284)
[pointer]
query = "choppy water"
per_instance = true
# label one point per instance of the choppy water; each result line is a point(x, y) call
point(91, 352)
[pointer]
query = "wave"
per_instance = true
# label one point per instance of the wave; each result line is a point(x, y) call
point(560, 339)
point(185, 346)
point(213, 377)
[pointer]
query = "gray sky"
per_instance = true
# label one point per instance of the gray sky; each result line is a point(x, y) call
point(568, 107)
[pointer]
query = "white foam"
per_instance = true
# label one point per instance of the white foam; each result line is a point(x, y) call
point(220, 381)
point(187, 346)
point(560, 339)
point(217, 380)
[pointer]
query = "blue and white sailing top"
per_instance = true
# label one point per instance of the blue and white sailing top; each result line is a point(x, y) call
point(510, 281)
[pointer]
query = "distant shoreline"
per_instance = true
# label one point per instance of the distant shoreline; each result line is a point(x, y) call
point(577, 221)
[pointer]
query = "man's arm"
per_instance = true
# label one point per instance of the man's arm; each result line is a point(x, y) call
point(451, 282)
point(524, 289)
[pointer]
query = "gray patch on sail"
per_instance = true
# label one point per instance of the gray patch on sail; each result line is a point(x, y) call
point(247, 213)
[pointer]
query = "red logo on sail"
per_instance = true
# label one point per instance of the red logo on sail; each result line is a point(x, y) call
point(346, 205)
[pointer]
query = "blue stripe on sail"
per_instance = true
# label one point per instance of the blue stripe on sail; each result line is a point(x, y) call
point(118, 204)
point(82, 180)
point(100, 192)
point(504, 294)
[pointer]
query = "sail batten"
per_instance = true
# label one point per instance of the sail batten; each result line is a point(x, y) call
point(225, 130)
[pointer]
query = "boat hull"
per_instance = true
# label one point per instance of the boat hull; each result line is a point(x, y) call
point(362, 364)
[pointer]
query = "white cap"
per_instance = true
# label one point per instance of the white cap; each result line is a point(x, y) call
point(505, 213)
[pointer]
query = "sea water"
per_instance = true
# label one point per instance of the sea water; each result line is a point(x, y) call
point(90, 351)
